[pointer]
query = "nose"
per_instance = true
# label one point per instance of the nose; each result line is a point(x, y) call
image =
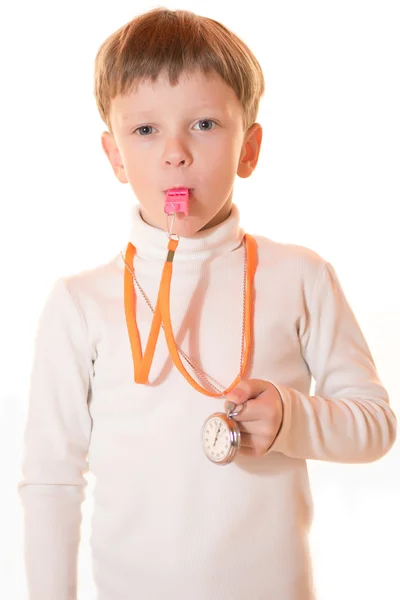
point(177, 153)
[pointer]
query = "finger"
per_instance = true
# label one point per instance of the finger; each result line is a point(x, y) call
point(238, 410)
point(246, 440)
point(232, 405)
point(234, 410)
point(252, 445)
point(252, 411)
point(257, 428)
point(247, 445)
point(247, 451)
point(247, 389)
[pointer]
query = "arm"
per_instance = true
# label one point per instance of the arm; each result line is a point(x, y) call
point(348, 420)
point(56, 442)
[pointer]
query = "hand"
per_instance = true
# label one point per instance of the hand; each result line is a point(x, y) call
point(261, 415)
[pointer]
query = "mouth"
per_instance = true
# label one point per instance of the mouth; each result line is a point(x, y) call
point(178, 187)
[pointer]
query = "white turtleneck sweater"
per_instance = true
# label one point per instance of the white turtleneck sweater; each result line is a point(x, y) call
point(167, 522)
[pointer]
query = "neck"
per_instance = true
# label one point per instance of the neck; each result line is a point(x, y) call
point(223, 236)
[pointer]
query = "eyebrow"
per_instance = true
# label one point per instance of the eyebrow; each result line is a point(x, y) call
point(139, 113)
point(150, 113)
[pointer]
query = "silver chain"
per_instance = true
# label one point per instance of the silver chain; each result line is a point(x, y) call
point(185, 357)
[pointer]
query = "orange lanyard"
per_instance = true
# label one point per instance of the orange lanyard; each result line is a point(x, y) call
point(142, 364)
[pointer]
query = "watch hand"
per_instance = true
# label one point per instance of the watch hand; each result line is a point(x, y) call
point(216, 437)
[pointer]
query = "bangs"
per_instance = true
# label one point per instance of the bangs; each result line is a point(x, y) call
point(175, 42)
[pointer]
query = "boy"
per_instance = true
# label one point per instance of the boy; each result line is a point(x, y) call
point(179, 94)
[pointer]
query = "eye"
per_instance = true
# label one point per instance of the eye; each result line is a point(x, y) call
point(206, 124)
point(144, 129)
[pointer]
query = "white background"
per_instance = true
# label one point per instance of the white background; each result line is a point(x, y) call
point(328, 178)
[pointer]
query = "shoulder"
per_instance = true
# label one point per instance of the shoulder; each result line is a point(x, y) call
point(78, 302)
point(95, 280)
point(290, 260)
point(88, 291)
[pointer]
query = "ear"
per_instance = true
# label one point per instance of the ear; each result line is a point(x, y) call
point(250, 151)
point(111, 149)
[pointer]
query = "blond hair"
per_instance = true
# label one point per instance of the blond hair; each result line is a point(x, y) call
point(177, 41)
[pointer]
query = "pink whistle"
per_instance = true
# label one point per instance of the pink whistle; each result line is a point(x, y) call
point(177, 200)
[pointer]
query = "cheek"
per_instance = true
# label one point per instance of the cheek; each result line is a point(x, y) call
point(138, 165)
point(222, 164)
point(215, 163)
point(138, 177)
point(134, 153)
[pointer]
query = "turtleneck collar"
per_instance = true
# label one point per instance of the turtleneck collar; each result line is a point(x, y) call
point(151, 242)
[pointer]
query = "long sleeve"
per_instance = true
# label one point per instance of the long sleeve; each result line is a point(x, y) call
point(56, 443)
point(348, 420)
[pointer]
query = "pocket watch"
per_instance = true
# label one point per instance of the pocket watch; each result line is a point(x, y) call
point(221, 436)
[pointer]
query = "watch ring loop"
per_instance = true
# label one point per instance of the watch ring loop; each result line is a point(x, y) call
point(230, 409)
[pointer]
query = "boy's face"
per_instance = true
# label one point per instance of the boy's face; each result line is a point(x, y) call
point(190, 135)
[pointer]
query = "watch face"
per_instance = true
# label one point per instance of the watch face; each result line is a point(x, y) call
point(220, 438)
